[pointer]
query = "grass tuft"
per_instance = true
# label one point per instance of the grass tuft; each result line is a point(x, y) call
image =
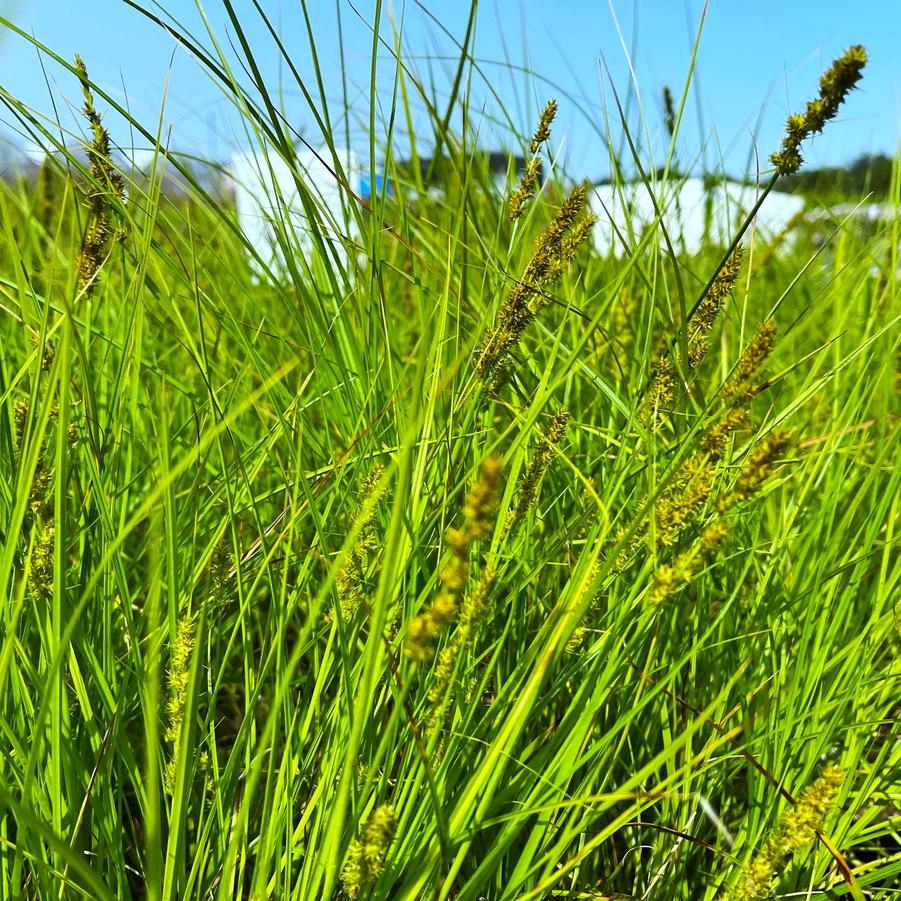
point(455, 559)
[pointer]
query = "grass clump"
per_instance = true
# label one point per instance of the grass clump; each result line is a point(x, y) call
point(455, 559)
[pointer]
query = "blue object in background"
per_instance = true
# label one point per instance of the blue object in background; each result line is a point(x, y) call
point(367, 186)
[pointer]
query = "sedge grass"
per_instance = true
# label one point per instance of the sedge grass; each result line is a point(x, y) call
point(224, 501)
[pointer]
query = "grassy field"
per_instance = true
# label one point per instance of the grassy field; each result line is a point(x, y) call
point(467, 564)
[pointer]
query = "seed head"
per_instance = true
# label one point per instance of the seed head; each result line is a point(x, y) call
point(800, 824)
point(669, 111)
point(757, 470)
point(349, 580)
point(482, 498)
point(181, 651)
point(835, 84)
point(543, 132)
point(40, 575)
point(714, 443)
point(705, 316)
point(366, 858)
point(756, 353)
point(797, 828)
point(531, 477)
point(528, 185)
point(474, 609)
point(525, 190)
point(686, 565)
point(657, 401)
point(101, 233)
point(553, 249)
point(425, 628)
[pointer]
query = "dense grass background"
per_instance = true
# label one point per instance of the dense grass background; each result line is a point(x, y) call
point(222, 500)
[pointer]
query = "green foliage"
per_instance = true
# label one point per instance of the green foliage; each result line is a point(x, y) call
point(223, 503)
point(868, 173)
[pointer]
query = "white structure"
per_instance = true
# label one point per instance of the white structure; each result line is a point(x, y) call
point(691, 213)
point(867, 212)
point(274, 213)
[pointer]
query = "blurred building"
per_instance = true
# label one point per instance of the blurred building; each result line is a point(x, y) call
point(694, 212)
point(302, 206)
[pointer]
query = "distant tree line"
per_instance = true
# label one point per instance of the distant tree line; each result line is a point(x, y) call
point(868, 174)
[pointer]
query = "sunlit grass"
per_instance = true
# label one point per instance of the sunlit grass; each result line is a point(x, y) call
point(302, 600)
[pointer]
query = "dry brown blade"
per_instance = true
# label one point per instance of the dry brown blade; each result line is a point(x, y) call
point(819, 439)
point(101, 753)
point(670, 831)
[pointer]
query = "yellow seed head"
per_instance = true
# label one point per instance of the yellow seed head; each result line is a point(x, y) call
point(366, 857)
point(797, 828)
point(101, 232)
point(526, 190)
point(543, 132)
point(531, 477)
point(712, 537)
point(756, 353)
point(482, 498)
point(709, 308)
point(424, 629)
point(179, 665)
point(181, 651)
point(455, 574)
point(658, 400)
point(529, 295)
point(800, 824)
point(40, 575)
point(758, 468)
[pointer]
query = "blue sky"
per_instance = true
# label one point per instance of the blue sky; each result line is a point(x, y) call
point(757, 62)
